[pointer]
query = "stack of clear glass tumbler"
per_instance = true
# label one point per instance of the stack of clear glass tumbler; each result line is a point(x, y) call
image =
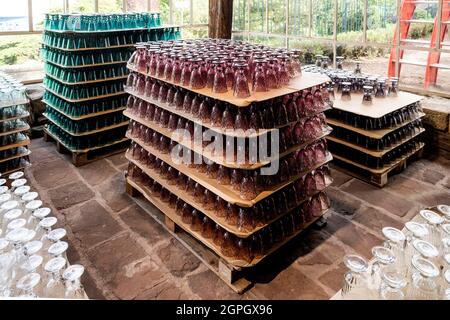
point(413, 264)
point(33, 261)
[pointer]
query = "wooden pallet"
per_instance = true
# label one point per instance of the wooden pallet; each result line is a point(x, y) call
point(234, 276)
point(83, 157)
point(377, 177)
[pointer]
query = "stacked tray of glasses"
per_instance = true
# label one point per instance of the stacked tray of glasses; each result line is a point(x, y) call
point(14, 127)
point(85, 64)
point(242, 171)
point(376, 128)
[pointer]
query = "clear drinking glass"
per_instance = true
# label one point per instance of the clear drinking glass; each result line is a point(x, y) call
point(423, 284)
point(395, 240)
point(384, 258)
point(355, 280)
point(392, 286)
point(433, 221)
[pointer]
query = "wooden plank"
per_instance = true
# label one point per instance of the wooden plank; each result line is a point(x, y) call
point(169, 26)
point(305, 81)
point(16, 145)
point(90, 115)
point(13, 103)
point(188, 198)
point(168, 211)
point(379, 106)
point(25, 115)
point(376, 134)
point(225, 192)
point(27, 153)
point(85, 65)
point(87, 133)
point(381, 170)
point(373, 153)
point(26, 128)
point(226, 132)
point(207, 153)
point(85, 82)
point(86, 99)
point(52, 136)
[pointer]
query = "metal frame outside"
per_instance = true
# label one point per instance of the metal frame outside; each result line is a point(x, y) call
point(66, 8)
point(335, 42)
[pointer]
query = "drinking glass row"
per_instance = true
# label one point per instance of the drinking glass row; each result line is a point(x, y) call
point(33, 261)
point(84, 58)
point(412, 264)
point(246, 249)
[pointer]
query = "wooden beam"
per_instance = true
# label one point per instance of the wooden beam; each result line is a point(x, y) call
point(220, 18)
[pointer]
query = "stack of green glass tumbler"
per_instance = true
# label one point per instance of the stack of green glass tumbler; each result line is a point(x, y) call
point(85, 57)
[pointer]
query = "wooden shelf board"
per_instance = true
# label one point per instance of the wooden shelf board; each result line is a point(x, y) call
point(85, 66)
point(16, 169)
point(209, 155)
point(85, 99)
point(25, 115)
point(186, 197)
point(23, 143)
point(226, 132)
point(90, 49)
point(379, 106)
point(306, 80)
point(110, 30)
point(386, 169)
point(16, 156)
point(375, 134)
point(90, 115)
point(373, 153)
point(85, 82)
point(88, 132)
point(83, 150)
point(26, 128)
point(13, 103)
point(171, 214)
point(225, 192)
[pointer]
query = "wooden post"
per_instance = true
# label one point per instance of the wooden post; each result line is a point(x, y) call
point(220, 18)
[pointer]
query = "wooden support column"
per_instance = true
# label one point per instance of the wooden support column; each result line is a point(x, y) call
point(220, 18)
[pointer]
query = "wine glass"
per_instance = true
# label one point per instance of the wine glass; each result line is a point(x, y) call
point(74, 288)
point(27, 284)
point(55, 286)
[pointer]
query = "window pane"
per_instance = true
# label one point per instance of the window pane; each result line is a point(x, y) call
point(277, 16)
point(201, 11)
point(136, 5)
point(350, 24)
point(258, 16)
point(195, 33)
point(41, 7)
point(240, 15)
point(299, 17)
point(310, 48)
point(161, 6)
point(106, 6)
point(181, 11)
point(323, 18)
point(14, 17)
point(381, 20)
point(76, 6)
point(19, 49)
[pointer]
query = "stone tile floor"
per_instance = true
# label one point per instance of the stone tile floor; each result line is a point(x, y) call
point(129, 256)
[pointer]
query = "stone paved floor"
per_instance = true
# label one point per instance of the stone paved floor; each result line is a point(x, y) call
point(129, 256)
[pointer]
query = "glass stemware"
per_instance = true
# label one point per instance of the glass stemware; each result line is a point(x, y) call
point(55, 286)
point(71, 276)
point(423, 285)
point(27, 284)
point(392, 286)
